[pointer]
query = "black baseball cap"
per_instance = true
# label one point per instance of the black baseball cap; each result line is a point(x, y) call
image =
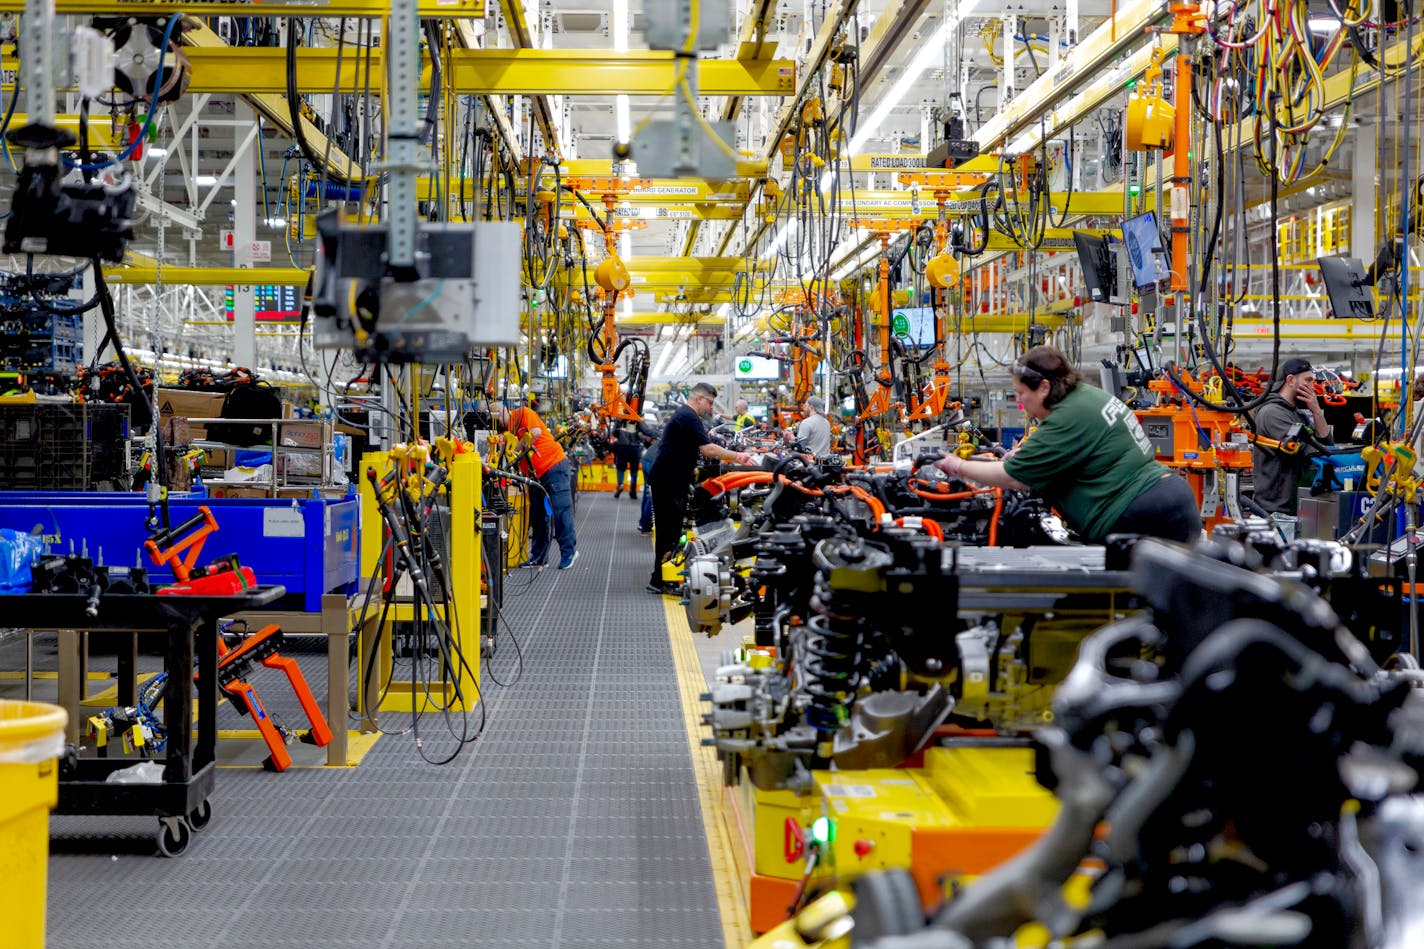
point(1291, 367)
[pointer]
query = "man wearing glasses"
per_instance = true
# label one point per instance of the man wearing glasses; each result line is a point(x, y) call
point(684, 439)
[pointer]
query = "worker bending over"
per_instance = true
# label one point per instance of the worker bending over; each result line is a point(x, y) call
point(1089, 458)
point(684, 439)
point(551, 467)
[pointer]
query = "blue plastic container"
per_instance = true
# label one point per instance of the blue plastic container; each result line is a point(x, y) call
point(309, 546)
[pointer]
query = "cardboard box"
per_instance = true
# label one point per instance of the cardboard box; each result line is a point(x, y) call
point(175, 431)
point(218, 458)
point(218, 489)
point(185, 404)
point(312, 434)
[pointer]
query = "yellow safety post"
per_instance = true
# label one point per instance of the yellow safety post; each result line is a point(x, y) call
point(463, 573)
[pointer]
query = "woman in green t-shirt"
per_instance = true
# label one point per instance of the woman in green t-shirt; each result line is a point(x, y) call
point(1089, 458)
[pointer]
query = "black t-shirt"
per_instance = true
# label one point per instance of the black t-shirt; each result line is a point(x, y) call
point(678, 448)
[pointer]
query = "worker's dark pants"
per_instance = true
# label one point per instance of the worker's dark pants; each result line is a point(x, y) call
point(627, 458)
point(645, 520)
point(1167, 510)
point(669, 510)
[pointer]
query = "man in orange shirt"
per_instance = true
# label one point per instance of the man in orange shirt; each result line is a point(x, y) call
point(551, 466)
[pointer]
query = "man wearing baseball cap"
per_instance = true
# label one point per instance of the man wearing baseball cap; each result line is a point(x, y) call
point(814, 432)
point(1283, 417)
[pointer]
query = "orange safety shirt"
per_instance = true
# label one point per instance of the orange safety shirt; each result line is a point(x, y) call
point(547, 451)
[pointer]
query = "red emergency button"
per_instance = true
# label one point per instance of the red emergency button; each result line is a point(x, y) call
point(863, 847)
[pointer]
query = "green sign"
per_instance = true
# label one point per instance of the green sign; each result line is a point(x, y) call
point(745, 365)
point(901, 325)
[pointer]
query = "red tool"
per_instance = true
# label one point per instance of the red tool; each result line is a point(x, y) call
point(234, 664)
point(179, 547)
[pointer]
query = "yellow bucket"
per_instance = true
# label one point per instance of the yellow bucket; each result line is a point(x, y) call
point(31, 739)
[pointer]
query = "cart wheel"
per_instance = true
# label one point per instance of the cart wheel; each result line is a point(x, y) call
point(200, 816)
point(174, 835)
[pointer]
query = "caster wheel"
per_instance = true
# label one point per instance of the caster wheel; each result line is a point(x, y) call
point(200, 816)
point(174, 835)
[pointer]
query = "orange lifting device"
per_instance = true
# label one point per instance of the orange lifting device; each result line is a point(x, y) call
point(234, 665)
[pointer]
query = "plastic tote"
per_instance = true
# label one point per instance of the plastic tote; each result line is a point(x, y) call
point(31, 741)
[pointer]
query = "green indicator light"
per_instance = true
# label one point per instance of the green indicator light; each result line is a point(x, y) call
point(1134, 189)
point(823, 831)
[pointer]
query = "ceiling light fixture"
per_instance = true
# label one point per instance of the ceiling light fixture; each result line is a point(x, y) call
point(205, 181)
point(619, 29)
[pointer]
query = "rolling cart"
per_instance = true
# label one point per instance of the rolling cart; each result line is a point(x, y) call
point(180, 799)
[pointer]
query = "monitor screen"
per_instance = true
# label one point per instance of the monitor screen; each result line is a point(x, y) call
point(1346, 281)
point(1144, 250)
point(757, 411)
point(756, 367)
point(1096, 261)
point(272, 304)
point(915, 325)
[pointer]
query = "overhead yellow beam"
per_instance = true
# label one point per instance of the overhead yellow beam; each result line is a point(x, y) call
point(1007, 323)
point(274, 107)
point(101, 133)
point(145, 271)
point(668, 319)
point(747, 167)
point(206, 8)
point(514, 21)
point(569, 72)
point(1325, 329)
point(1087, 63)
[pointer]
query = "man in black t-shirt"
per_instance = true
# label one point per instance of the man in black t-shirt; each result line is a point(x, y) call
point(684, 438)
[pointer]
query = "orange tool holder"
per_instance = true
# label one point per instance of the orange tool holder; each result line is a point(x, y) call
point(234, 664)
point(170, 547)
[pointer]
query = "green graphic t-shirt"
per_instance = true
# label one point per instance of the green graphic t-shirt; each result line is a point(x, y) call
point(1090, 459)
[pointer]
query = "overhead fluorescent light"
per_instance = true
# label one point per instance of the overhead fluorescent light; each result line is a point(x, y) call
point(932, 50)
point(619, 26)
point(625, 120)
point(1323, 24)
point(205, 181)
point(156, 152)
point(276, 222)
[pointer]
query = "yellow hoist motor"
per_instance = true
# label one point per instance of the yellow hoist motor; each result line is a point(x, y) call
point(1150, 118)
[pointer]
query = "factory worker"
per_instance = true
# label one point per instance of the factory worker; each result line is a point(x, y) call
point(814, 430)
point(1284, 415)
point(550, 466)
point(1089, 458)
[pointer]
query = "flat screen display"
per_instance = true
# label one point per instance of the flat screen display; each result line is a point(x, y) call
point(915, 325)
point(756, 368)
point(1144, 250)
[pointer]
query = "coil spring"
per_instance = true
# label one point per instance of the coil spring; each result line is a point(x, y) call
point(830, 658)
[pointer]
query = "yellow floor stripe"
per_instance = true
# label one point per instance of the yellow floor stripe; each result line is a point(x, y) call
point(716, 821)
